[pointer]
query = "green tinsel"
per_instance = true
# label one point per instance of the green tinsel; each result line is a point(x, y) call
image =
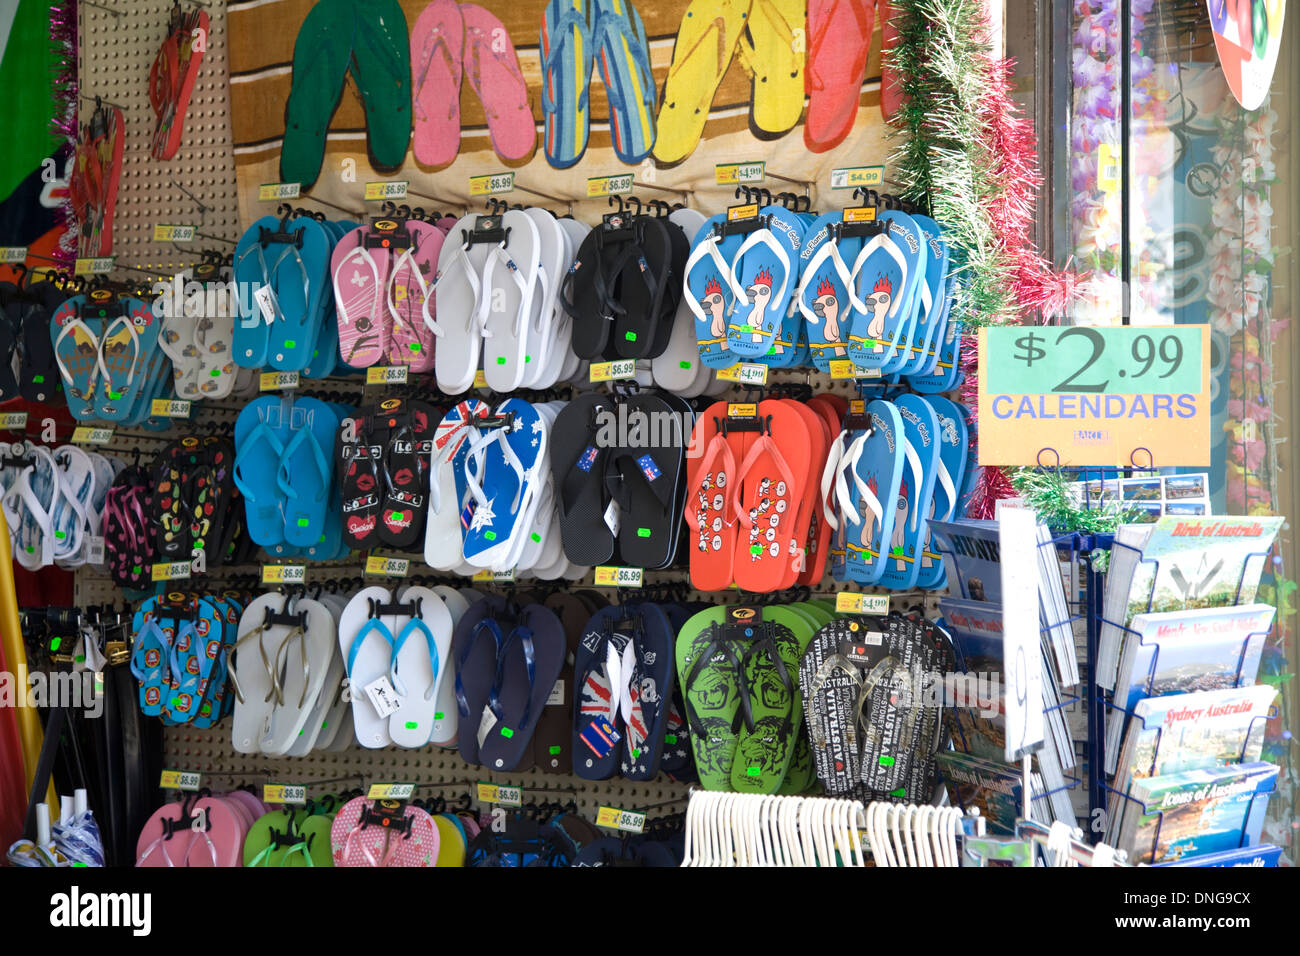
point(941, 153)
point(1048, 494)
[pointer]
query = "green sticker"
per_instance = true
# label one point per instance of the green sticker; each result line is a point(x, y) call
point(60, 535)
point(114, 395)
point(490, 535)
point(56, 643)
point(290, 343)
point(556, 751)
point(501, 360)
point(886, 761)
point(630, 336)
point(670, 738)
point(215, 372)
point(507, 733)
point(897, 552)
point(38, 379)
point(643, 532)
point(752, 771)
point(684, 365)
point(415, 346)
point(437, 715)
point(636, 753)
point(536, 537)
point(303, 522)
point(412, 725)
point(755, 549)
point(527, 359)
point(395, 516)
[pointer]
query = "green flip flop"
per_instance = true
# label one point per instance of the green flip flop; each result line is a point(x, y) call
point(708, 671)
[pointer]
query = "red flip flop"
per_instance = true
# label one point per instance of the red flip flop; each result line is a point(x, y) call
point(711, 489)
point(839, 34)
point(831, 410)
point(801, 541)
point(770, 493)
point(171, 79)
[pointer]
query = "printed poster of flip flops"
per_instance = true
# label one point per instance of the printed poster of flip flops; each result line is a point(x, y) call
point(333, 94)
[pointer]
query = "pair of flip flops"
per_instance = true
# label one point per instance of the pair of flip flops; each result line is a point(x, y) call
point(618, 465)
point(896, 465)
point(750, 494)
point(53, 500)
point(873, 733)
point(291, 837)
point(507, 661)
point(286, 322)
point(576, 35)
point(129, 535)
point(384, 453)
point(25, 347)
point(738, 671)
point(498, 301)
point(876, 292)
point(96, 172)
point(106, 351)
point(741, 278)
point(194, 511)
point(172, 76)
point(196, 333)
point(623, 691)
point(397, 654)
point(284, 467)
point(767, 37)
point(180, 655)
point(453, 41)
point(202, 830)
point(625, 286)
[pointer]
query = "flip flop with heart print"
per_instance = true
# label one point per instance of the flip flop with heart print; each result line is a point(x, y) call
point(401, 509)
point(359, 468)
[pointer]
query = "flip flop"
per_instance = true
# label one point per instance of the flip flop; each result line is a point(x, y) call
point(839, 35)
point(476, 644)
point(492, 68)
point(446, 716)
point(768, 260)
point(713, 290)
point(529, 662)
point(409, 288)
point(126, 348)
point(819, 530)
point(888, 273)
point(947, 374)
point(645, 483)
point(360, 471)
point(931, 294)
point(261, 435)
point(706, 39)
point(772, 56)
point(769, 703)
point(708, 657)
point(770, 492)
point(360, 276)
point(506, 303)
point(567, 54)
point(954, 441)
point(437, 51)
point(597, 677)
point(503, 472)
point(916, 492)
point(713, 490)
point(420, 653)
point(623, 55)
point(448, 489)
point(300, 277)
point(458, 289)
point(802, 534)
point(578, 466)
point(645, 693)
point(180, 60)
point(366, 643)
point(832, 686)
point(879, 469)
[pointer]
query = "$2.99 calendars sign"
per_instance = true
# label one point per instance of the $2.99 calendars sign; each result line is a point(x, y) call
point(1078, 395)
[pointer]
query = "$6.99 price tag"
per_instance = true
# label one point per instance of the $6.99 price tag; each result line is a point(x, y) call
point(613, 818)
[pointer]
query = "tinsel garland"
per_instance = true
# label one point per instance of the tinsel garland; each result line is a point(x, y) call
point(64, 89)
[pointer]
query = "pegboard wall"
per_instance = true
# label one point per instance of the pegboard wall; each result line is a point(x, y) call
point(118, 42)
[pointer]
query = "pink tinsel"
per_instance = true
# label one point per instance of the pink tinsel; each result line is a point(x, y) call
point(64, 89)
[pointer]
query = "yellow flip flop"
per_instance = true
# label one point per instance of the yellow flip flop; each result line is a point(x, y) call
point(706, 39)
point(774, 61)
point(451, 841)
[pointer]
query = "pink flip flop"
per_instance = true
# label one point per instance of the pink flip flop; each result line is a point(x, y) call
point(222, 843)
point(360, 282)
point(374, 846)
point(409, 291)
point(255, 807)
point(891, 91)
point(437, 48)
point(154, 847)
point(839, 35)
point(493, 70)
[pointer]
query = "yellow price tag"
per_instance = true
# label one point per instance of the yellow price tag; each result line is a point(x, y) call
point(732, 174)
point(852, 602)
point(612, 818)
point(480, 379)
point(270, 192)
point(744, 374)
point(173, 571)
point(388, 567)
point(857, 407)
point(284, 573)
point(284, 793)
point(13, 253)
point(844, 369)
point(612, 371)
point(390, 791)
point(165, 233)
point(742, 410)
point(386, 190)
point(1108, 170)
point(274, 381)
point(497, 793)
point(180, 780)
point(598, 186)
point(15, 421)
point(387, 375)
point(170, 408)
point(608, 576)
point(92, 266)
point(89, 435)
point(735, 213)
point(491, 184)
point(853, 177)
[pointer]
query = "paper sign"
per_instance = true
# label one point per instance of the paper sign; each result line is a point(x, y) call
point(264, 296)
point(732, 174)
point(613, 818)
point(390, 791)
point(615, 577)
point(851, 602)
point(598, 186)
point(1078, 396)
point(270, 192)
point(491, 184)
point(496, 793)
point(852, 177)
point(386, 190)
point(387, 375)
point(284, 793)
point(1021, 651)
point(180, 780)
point(744, 374)
point(612, 371)
point(383, 697)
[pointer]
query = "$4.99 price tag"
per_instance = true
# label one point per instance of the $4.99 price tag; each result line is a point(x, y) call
point(851, 602)
point(629, 821)
point(180, 780)
point(284, 793)
point(733, 174)
point(744, 374)
point(496, 793)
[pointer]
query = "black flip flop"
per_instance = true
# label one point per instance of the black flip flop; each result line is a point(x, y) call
point(578, 467)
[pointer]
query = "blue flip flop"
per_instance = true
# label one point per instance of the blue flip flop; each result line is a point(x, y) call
point(151, 658)
point(826, 297)
point(475, 646)
point(712, 290)
point(915, 493)
point(932, 295)
point(649, 695)
point(953, 449)
point(947, 374)
point(619, 36)
point(300, 275)
point(768, 273)
point(305, 475)
point(887, 271)
point(937, 331)
point(252, 332)
point(564, 43)
point(507, 472)
point(261, 433)
point(528, 664)
point(597, 740)
point(194, 657)
point(879, 467)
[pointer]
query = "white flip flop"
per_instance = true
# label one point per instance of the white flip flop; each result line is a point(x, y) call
point(420, 663)
point(457, 291)
point(675, 370)
point(554, 256)
point(505, 308)
point(304, 678)
point(367, 647)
